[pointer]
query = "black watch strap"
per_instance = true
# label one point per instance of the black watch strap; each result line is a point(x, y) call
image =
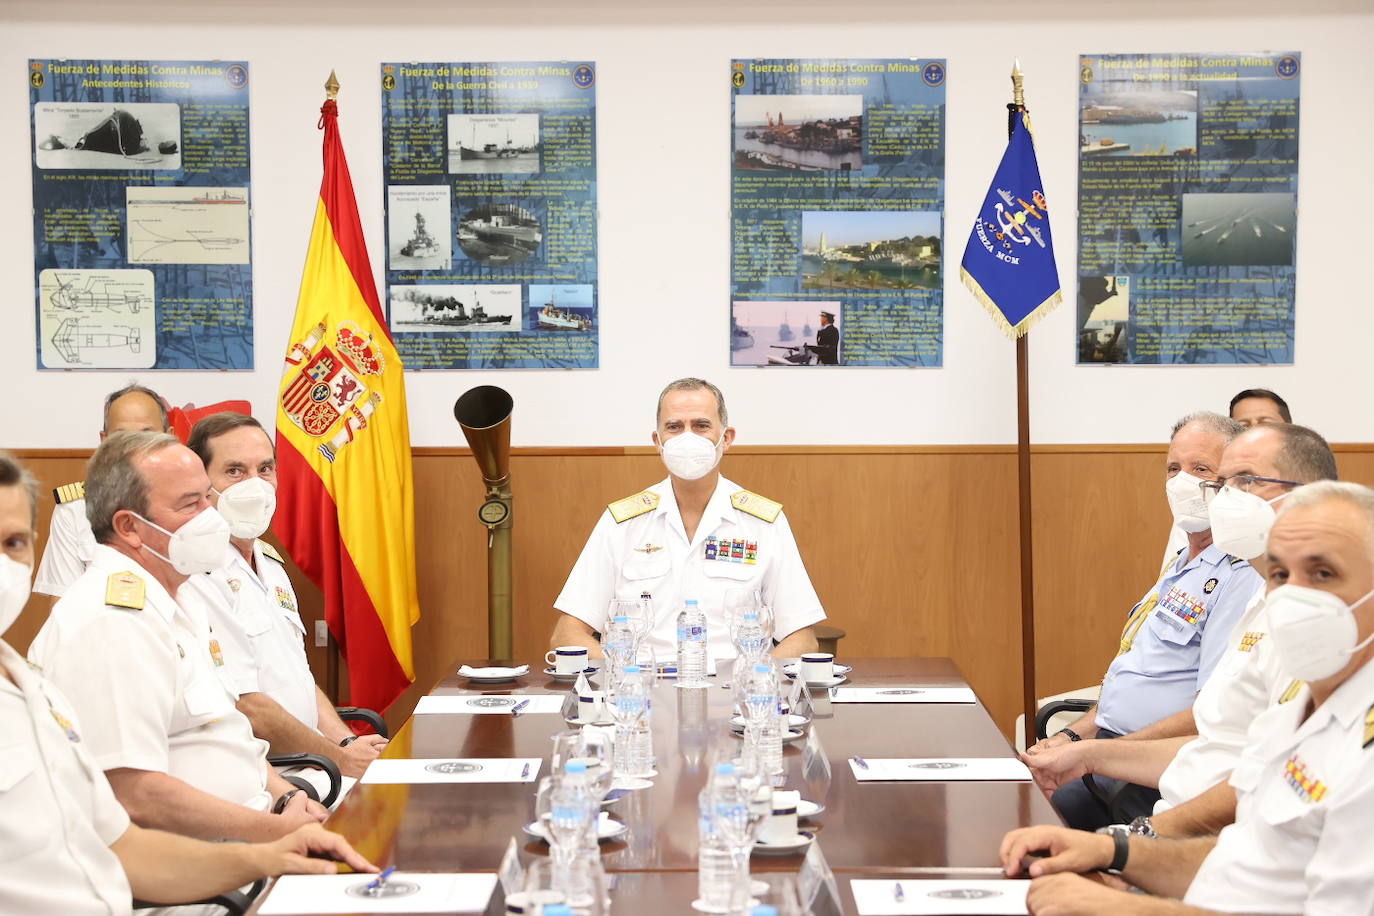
point(280, 806)
point(1073, 735)
point(1121, 853)
point(347, 741)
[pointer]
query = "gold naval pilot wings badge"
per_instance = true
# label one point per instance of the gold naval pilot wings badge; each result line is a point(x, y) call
point(329, 392)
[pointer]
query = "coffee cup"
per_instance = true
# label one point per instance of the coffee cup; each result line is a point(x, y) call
point(781, 826)
point(818, 667)
point(567, 659)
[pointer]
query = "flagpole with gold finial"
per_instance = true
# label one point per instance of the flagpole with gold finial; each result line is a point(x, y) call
point(331, 86)
point(331, 660)
point(1016, 108)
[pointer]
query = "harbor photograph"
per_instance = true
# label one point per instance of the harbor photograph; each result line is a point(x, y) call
point(871, 249)
point(783, 333)
point(418, 231)
point(1104, 317)
point(499, 234)
point(799, 132)
point(561, 307)
point(453, 308)
point(1238, 229)
point(1158, 123)
point(493, 143)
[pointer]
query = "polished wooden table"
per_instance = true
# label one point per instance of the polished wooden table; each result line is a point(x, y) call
point(896, 828)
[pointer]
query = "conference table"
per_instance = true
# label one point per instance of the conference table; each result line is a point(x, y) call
point(870, 829)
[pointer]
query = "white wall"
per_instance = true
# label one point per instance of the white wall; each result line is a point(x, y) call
point(664, 184)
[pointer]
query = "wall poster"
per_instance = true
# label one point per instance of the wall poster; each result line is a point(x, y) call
point(141, 214)
point(490, 173)
point(837, 212)
point(1187, 208)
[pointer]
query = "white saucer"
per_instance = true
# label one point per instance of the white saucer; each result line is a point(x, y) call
point(607, 828)
point(834, 681)
point(793, 734)
point(808, 809)
point(791, 669)
point(701, 907)
point(793, 721)
point(495, 675)
point(631, 783)
point(578, 723)
point(796, 844)
point(570, 677)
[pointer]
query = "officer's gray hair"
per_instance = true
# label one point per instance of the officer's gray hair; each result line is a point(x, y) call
point(1225, 427)
point(693, 384)
point(14, 474)
point(133, 388)
point(1304, 455)
point(112, 481)
point(1324, 491)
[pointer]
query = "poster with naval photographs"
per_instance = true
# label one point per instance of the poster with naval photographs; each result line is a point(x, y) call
point(141, 214)
point(1187, 208)
point(837, 212)
point(490, 175)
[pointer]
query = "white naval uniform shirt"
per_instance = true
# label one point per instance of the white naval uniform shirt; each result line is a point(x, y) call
point(1304, 809)
point(259, 626)
point(58, 815)
point(620, 561)
point(68, 551)
point(146, 686)
point(1246, 682)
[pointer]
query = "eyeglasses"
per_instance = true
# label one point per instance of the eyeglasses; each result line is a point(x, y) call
point(1243, 482)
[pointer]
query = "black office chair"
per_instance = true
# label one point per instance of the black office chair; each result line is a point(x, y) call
point(315, 761)
point(370, 716)
point(1080, 704)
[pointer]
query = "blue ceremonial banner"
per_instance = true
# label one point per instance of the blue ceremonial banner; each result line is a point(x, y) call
point(1009, 261)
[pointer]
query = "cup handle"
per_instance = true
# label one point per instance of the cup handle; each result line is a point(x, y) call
point(549, 657)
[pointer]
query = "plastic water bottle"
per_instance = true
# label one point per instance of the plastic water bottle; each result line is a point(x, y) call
point(750, 639)
point(691, 645)
point(572, 810)
point(718, 887)
point(763, 713)
point(617, 646)
point(634, 751)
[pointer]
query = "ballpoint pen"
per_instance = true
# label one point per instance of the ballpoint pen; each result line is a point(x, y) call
point(897, 894)
point(525, 772)
point(515, 710)
point(862, 763)
point(376, 883)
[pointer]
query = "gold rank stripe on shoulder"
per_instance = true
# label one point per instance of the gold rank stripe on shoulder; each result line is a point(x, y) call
point(622, 510)
point(70, 492)
point(1291, 691)
point(756, 505)
point(269, 551)
point(1369, 727)
point(124, 589)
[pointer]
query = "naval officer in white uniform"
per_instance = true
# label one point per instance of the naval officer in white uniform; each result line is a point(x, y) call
point(694, 535)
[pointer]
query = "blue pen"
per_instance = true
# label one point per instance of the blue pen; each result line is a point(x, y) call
point(377, 882)
point(863, 764)
point(515, 710)
point(897, 894)
point(525, 773)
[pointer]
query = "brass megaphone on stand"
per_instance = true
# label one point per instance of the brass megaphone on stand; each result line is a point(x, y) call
point(483, 413)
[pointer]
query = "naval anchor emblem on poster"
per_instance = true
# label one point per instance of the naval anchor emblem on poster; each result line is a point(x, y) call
point(330, 392)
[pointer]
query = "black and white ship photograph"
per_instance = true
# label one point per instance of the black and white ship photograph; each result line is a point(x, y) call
point(419, 231)
point(451, 307)
point(499, 234)
point(501, 143)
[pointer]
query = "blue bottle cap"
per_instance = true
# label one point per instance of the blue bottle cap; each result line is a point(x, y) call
point(761, 910)
point(725, 768)
point(576, 766)
point(691, 602)
point(631, 669)
point(751, 615)
point(562, 909)
point(761, 669)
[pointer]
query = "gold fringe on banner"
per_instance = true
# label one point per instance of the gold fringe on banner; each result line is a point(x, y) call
point(1021, 328)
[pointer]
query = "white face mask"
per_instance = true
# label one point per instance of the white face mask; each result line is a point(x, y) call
point(1186, 502)
point(690, 456)
point(248, 506)
point(199, 546)
point(14, 590)
point(1314, 632)
point(1241, 522)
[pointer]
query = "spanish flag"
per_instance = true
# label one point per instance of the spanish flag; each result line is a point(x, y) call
point(345, 494)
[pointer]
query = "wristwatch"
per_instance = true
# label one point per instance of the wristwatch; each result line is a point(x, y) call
point(1073, 735)
point(1141, 826)
point(280, 806)
point(347, 741)
point(1121, 837)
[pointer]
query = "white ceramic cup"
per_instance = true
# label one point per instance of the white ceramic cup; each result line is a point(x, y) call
point(817, 667)
point(781, 826)
point(591, 706)
point(567, 659)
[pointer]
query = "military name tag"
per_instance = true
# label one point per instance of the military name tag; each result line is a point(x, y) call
point(124, 589)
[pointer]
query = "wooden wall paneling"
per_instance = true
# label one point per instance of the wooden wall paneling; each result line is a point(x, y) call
point(52, 471)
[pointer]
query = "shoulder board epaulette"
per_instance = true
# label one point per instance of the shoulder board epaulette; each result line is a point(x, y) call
point(69, 492)
point(269, 551)
point(1369, 727)
point(1290, 691)
point(1238, 561)
point(756, 505)
point(126, 590)
point(622, 510)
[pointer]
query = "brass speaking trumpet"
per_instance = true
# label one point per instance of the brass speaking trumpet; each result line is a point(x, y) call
point(484, 414)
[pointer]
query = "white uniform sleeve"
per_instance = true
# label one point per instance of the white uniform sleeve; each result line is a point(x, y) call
point(113, 671)
point(1340, 875)
point(591, 584)
point(62, 562)
point(787, 587)
point(240, 660)
point(1222, 619)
